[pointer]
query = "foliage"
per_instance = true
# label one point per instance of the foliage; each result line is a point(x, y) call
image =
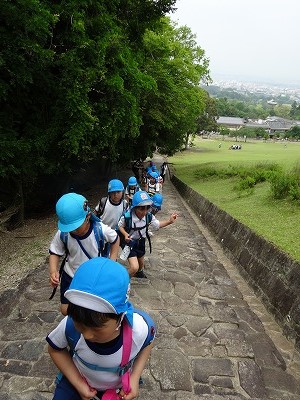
point(286, 184)
point(278, 220)
point(294, 132)
point(245, 186)
point(207, 121)
point(83, 80)
point(177, 65)
point(295, 110)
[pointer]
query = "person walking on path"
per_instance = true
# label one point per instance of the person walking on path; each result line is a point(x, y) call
point(133, 226)
point(80, 236)
point(111, 207)
point(131, 188)
point(110, 342)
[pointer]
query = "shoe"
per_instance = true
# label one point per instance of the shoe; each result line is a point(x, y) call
point(140, 274)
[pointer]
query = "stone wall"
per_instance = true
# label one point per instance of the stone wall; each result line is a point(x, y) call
point(273, 275)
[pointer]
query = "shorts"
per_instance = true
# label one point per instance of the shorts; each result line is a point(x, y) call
point(65, 282)
point(65, 391)
point(138, 248)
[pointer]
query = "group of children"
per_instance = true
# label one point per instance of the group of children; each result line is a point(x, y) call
point(101, 328)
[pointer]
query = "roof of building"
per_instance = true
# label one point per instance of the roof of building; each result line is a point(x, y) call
point(230, 121)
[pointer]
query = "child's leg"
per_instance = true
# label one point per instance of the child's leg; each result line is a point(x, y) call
point(64, 286)
point(65, 391)
point(141, 263)
point(133, 266)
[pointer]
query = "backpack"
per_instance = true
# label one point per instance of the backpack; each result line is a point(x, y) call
point(124, 368)
point(102, 249)
point(102, 204)
point(97, 228)
point(128, 226)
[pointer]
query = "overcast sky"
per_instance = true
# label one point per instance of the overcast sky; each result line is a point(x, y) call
point(246, 39)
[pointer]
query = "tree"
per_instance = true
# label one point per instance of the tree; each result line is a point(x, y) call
point(177, 66)
point(207, 121)
point(71, 82)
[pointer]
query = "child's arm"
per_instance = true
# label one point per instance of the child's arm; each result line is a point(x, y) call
point(54, 270)
point(169, 221)
point(64, 363)
point(137, 369)
point(114, 249)
point(126, 234)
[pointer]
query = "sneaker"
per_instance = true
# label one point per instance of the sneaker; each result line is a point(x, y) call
point(140, 274)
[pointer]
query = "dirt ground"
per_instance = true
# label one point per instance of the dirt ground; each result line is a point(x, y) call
point(26, 247)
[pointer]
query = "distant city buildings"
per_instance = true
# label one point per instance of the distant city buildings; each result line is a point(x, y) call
point(272, 90)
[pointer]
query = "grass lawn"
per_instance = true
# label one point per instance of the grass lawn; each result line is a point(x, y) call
point(276, 220)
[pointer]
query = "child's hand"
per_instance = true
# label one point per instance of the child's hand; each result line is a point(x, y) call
point(127, 238)
point(173, 217)
point(85, 391)
point(132, 394)
point(54, 279)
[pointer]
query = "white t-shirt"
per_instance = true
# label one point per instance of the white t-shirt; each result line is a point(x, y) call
point(112, 212)
point(138, 223)
point(100, 380)
point(152, 187)
point(76, 255)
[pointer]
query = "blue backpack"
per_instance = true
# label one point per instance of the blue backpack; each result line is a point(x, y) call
point(97, 228)
point(128, 226)
point(102, 249)
point(73, 336)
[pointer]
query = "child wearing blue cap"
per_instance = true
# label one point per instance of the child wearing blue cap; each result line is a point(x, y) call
point(131, 188)
point(110, 340)
point(111, 207)
point(133, 227)
point(80, 236)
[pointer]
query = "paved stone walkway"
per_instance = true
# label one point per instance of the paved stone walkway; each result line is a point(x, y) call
point(215, 340)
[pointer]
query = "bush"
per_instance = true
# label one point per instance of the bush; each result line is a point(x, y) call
point(281, 184)
point(294, 193)
point(245, 186)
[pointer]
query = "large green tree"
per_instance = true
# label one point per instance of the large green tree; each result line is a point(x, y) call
point(71, 81)
point(177, 65)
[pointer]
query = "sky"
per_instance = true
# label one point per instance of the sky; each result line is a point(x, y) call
point(246, 40)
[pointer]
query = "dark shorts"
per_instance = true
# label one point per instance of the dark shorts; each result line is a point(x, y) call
point(65, 391)
point(138, 248)
point(65, 282)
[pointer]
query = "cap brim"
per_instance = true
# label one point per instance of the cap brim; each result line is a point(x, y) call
point(70, 227)
point(90, 301)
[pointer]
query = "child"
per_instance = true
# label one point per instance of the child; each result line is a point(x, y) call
point(131, 188)
point(152, 186)
point(110, 208)
point(157, 203)
point(104, 333)
point(81, 236)
point(163, 170)
point(133, 225)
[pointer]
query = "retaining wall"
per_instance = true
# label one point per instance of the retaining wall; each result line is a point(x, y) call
point(274, 276)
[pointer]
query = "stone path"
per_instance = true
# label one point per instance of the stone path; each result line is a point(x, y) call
point(215, 340)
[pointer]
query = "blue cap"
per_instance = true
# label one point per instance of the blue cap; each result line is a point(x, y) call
point(71, 210)
point(115, 185)
point(141, 198)
point(132, 181)
point(102, 285)
point(157, 200)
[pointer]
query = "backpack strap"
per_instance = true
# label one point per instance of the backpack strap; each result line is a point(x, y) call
point(128, 225)
point(64, 239)
point(98, 232)
point(102, 204)
point(151, 327)
point(72, 336)
point(148, 222)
